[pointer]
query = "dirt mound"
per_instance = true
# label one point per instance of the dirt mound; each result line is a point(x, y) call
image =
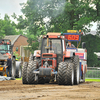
point(15, 90)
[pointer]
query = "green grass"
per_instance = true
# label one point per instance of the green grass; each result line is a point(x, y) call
point(19, 78)
point(94, 80)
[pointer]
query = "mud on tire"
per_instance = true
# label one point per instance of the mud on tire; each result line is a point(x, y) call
point(24, 73)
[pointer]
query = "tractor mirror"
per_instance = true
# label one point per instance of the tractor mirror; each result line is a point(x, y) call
point(83, 45)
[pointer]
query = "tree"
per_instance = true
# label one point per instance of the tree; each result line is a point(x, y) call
point(98, 29)
point(1, 29)
point(62, 15)
point(33, 23)
point(7, 27)
point(92, 45)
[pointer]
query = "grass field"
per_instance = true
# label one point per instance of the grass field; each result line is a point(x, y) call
point(19, 78)
point(95, 80)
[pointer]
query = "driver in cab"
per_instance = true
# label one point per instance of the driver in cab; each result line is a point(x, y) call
point(70, 45)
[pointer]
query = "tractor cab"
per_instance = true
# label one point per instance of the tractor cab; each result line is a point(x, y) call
point(52, 49)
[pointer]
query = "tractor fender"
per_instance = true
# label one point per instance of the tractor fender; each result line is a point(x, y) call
point(69, 54)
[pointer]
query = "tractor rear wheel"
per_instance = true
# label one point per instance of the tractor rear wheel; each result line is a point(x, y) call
point(84, 75)
point(60, 77)
point(31, 76)
point(24, 73)
point(18, 69)
point(31, 58)
point(65, 74)
point(13, 74)
point(68, 60)
point(76, 69)
point(70, 74)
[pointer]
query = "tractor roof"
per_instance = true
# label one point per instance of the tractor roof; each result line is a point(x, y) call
point(51, 33)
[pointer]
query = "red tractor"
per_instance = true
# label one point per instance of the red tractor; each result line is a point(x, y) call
point(53, 63)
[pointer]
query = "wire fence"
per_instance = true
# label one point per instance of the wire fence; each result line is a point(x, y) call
point(93, 72)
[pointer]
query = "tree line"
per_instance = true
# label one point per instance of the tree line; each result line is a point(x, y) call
point(42, 16)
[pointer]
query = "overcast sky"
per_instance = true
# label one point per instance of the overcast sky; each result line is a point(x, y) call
point(12, 6)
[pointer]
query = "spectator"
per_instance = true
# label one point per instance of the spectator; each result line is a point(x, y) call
point(9, 66)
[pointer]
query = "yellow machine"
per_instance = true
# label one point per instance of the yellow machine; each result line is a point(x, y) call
point(2, 71)
point(5, 50)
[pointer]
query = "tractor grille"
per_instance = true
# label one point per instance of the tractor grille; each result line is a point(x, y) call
point(47, 55)
point(49, 62)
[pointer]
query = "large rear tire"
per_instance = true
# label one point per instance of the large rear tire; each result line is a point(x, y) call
point(76, 70)
point(13, 74)
point(65, 74)
point(24, 73)
point(31, 58)
point(70, 74)
point(84, 75)
point(33, 65)
point(60, 77)
point(18, 69)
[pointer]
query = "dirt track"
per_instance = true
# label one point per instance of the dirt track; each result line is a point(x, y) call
point(15, 90)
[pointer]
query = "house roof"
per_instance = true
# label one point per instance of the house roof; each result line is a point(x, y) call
point(13, 38)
